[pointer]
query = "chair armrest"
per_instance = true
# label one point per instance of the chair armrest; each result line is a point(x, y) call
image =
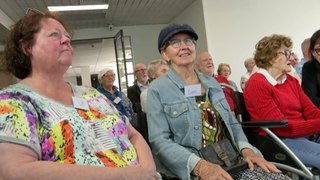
point(265, 123)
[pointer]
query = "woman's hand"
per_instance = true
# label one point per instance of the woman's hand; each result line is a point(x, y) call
point(252, 158)
point(206, 170)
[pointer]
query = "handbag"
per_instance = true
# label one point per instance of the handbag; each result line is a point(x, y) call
point(223, 154)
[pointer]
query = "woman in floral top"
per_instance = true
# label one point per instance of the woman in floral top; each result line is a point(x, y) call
point(50, 129)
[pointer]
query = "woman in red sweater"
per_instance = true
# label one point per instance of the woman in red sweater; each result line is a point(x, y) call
point(272, 94)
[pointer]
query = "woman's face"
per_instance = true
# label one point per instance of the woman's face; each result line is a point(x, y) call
point(251, 64)
point(108, 78)
point(316, 51)
point(52, 49)
point(183, 55)
point(294, 60)
point(162, 70)
point(281, 63)
point(225, 71)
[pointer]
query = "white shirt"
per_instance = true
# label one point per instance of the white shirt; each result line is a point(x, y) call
point(143, 100)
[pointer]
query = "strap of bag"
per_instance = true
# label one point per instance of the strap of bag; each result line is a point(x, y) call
point(216, 146)
point(221, 154)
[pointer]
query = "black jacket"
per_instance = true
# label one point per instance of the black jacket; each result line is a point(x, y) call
point(311, 80)
point(134, 96)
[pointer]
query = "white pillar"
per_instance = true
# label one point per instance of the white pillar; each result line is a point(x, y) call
point(85, 76)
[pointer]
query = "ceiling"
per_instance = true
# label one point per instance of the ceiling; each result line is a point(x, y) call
point(120, 13)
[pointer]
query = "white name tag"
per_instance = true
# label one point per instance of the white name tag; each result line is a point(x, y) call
point(192, 90)
point(80, 103)
point(117, 100)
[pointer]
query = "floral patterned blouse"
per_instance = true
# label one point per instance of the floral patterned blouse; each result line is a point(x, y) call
point(65, 134)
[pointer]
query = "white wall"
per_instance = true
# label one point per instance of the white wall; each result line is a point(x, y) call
point(228, 29)
point(71, 79)
point(193, 15)
point(233, 27)
point(144, 39)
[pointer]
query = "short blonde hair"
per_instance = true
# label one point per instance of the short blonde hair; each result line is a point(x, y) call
point(154, 65)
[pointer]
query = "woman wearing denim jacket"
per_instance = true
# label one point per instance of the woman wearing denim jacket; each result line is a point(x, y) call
point(175, 122)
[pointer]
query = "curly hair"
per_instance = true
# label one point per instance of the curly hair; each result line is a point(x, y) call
point(267, 47)
point(16, 59)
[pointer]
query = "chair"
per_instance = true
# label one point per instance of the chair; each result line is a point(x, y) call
point(143, 126)
point(279, 153)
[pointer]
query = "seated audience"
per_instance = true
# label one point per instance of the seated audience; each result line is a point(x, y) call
point(156, 68)
point(306, 56)
point(188, 111)
point(106, 78)
point(51, 129)
point(272, 94)
point(311, 71)
point(204, 64)
point(293, 62)
point(294, 59)
point(140, 84)
point(225, 70)
point(251, 68)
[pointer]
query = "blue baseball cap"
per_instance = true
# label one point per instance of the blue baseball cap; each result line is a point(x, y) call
point(167, 32)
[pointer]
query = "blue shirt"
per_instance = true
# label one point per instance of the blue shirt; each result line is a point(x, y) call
point(124, 106)
point(299, 67)
point(174, 123)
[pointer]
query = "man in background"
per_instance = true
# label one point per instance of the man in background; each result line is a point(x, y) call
point(306, 56)
point(204, 63)
point(251, 67)
point(140, 84)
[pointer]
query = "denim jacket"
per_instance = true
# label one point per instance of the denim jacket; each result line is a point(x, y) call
point(175, 127)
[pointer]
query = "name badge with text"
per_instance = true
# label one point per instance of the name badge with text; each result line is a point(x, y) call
point(117, 100)
point(192, 90)
point(80, 103)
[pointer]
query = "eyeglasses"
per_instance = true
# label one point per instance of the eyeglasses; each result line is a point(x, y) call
point(317, 50)
point(140, 70)
point(33, 11)
point(286, 53)
point(176, 43)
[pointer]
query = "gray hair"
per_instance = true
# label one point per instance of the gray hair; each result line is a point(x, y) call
point(246, 62)
point(154, 65)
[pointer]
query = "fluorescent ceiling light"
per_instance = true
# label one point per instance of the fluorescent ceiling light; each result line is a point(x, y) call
point(78, 7)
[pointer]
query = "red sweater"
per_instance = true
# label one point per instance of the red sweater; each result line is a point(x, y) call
point(228, 93)
point(282, 101)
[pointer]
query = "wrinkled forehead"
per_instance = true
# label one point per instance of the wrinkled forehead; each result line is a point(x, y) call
point(48, 23)
point(225, 67)
point(140, 66)
point(205, 57)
